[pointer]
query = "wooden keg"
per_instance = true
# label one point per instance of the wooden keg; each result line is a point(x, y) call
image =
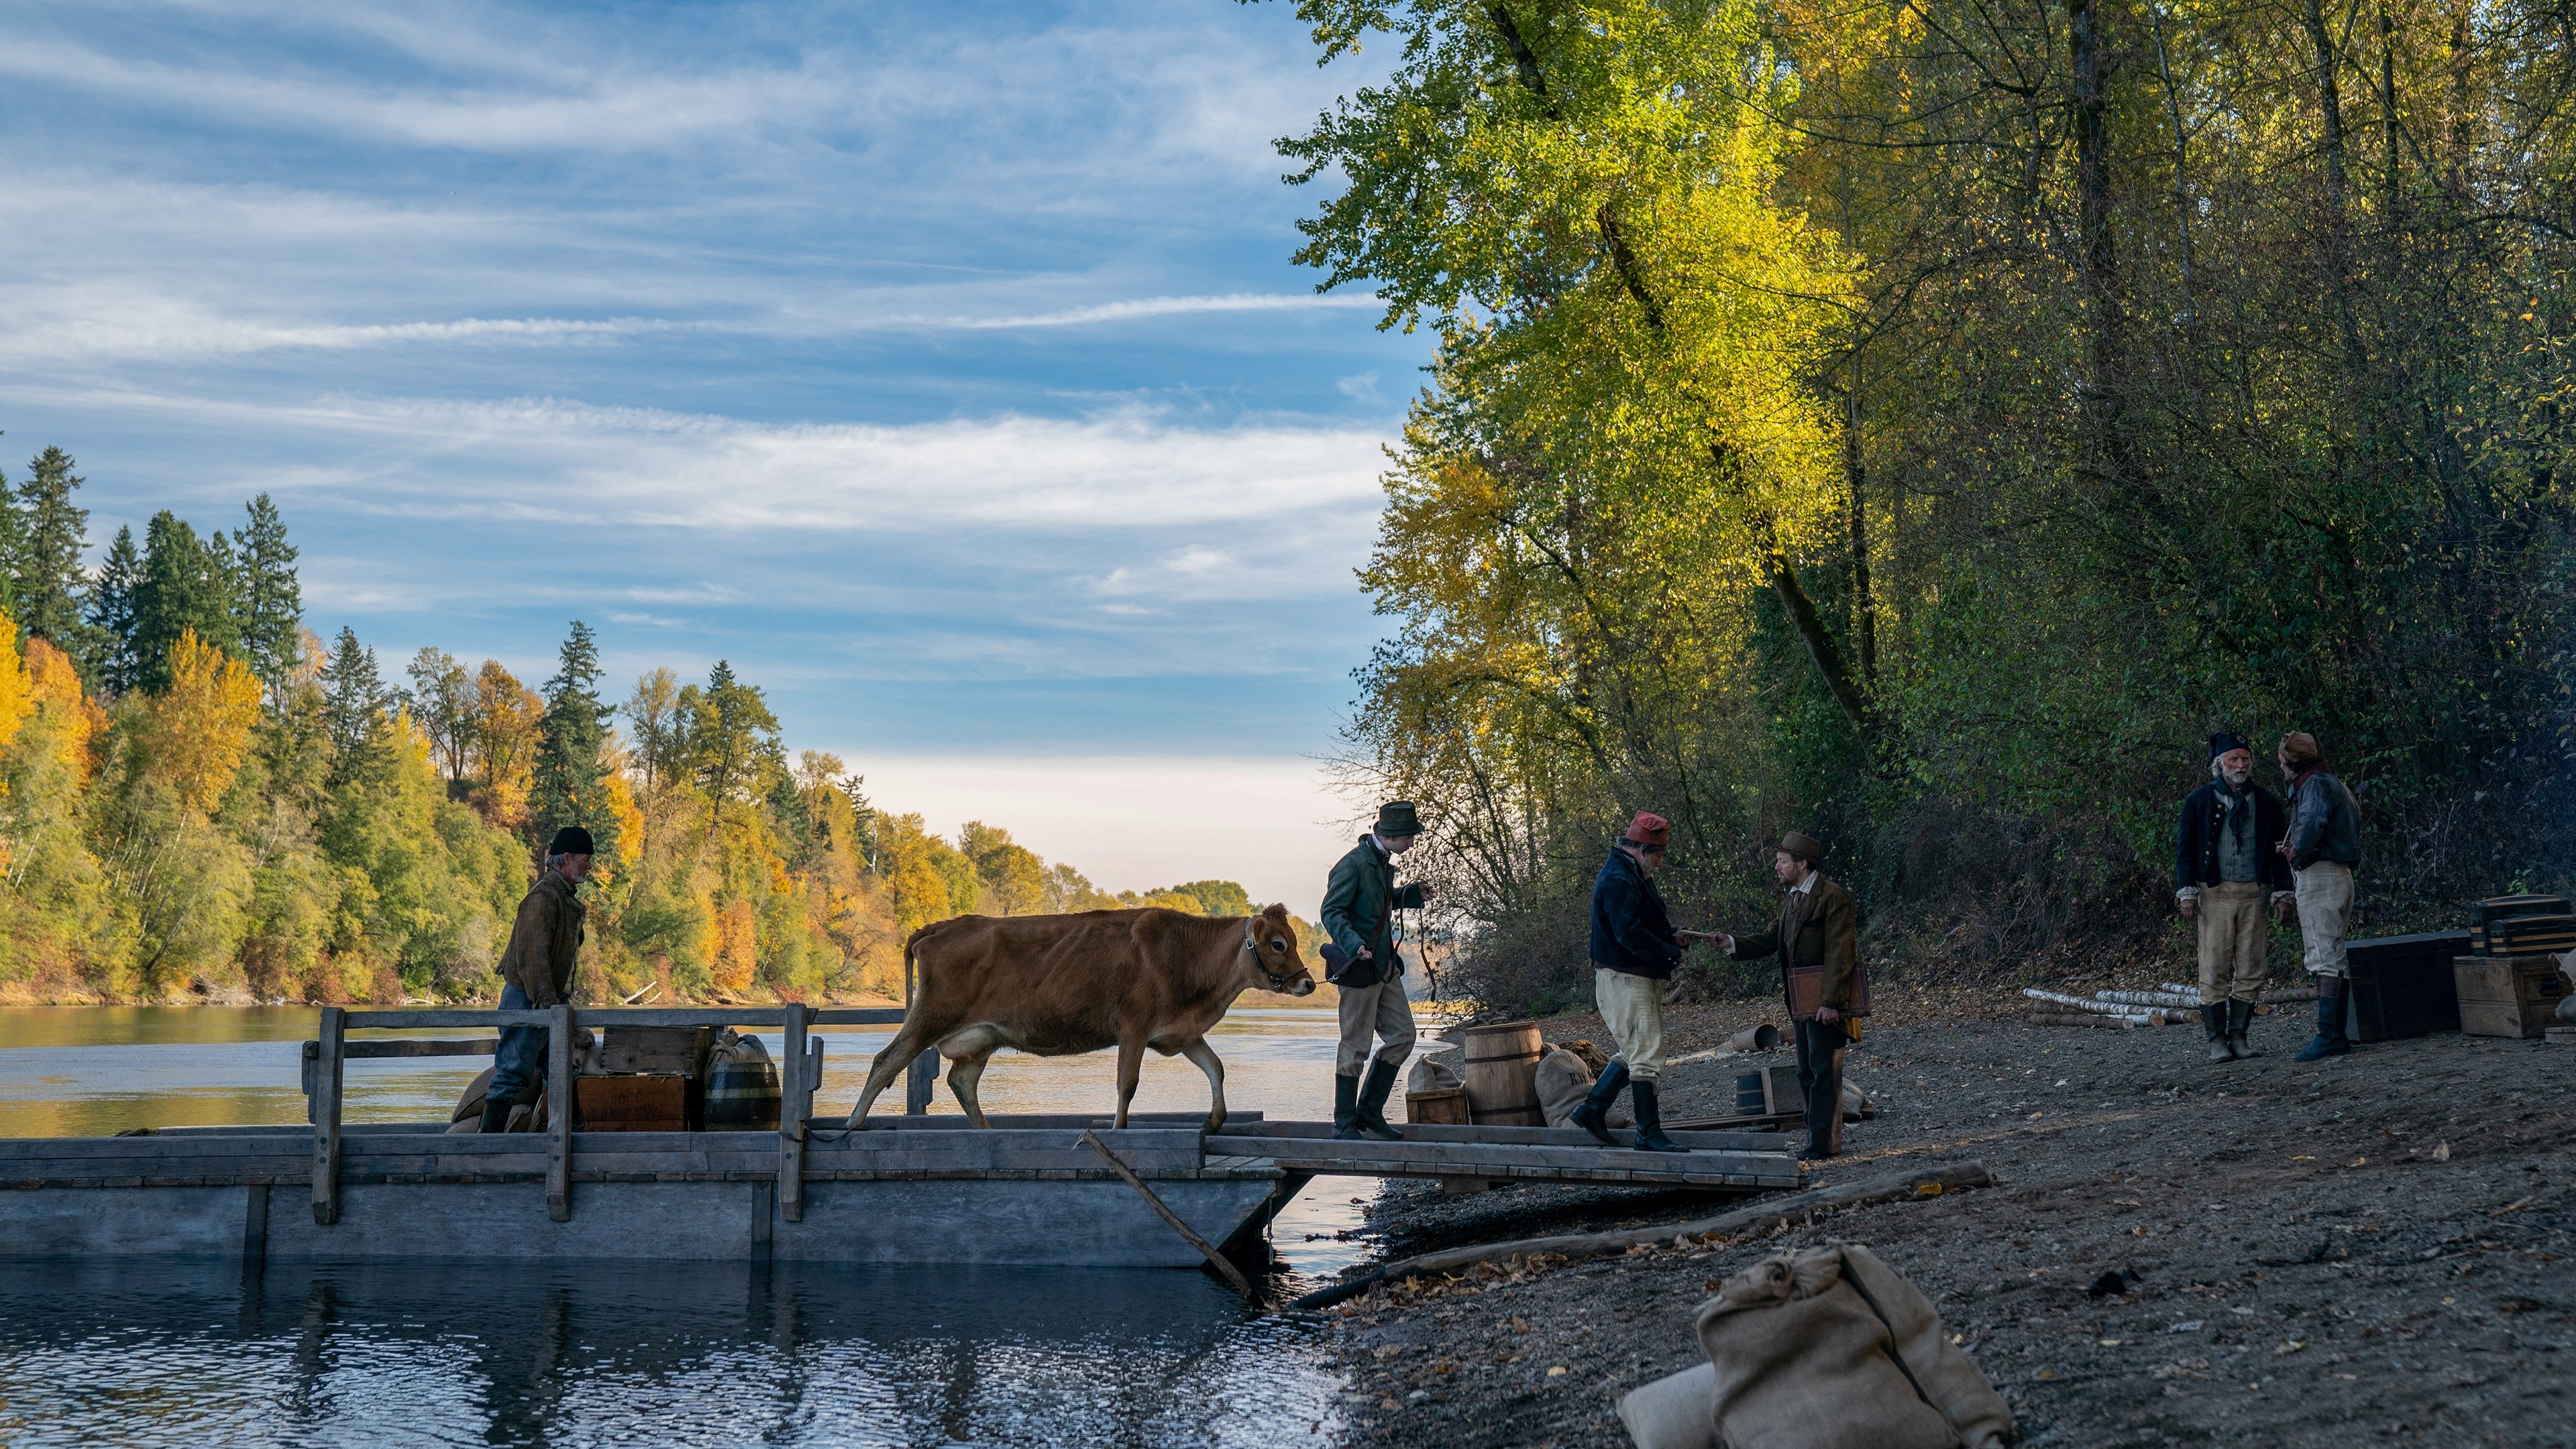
point(742, 1096)
point(1501, 1072)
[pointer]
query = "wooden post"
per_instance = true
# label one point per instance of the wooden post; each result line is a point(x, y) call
point(917, 1083)
point(559, 1116)
point(795, 1104)
point(326, 1117)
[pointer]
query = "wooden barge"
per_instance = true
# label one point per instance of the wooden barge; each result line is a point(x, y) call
point(911, 1189)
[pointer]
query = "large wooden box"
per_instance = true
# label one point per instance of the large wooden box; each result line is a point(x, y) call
point(2512, 996)
point(667, 1050)
point(1446, 1107)
point(2403, 986)
point(658, 1102)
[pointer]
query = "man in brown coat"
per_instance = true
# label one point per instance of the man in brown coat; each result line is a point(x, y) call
point(536, 972)
point(1817, 940)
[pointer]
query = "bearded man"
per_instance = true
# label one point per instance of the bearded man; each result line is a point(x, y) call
point(2224, 872)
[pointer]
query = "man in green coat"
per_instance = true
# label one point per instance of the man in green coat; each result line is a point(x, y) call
point(536, 972)
point(1360, 902)
point(1817, 940)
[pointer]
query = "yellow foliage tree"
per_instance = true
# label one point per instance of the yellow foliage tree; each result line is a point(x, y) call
point(17, 689)
point(737, 948)
point(200, 727)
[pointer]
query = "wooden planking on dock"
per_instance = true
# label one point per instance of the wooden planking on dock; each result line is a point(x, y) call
point(1516, 1161)
point(1727, 1141)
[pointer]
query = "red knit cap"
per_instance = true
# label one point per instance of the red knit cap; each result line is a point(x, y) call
point(1648, 828)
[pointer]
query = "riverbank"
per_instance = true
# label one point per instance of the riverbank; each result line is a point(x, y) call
point(2376, 1245)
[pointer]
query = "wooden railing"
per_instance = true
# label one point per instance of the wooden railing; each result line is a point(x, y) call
point(800, 1076)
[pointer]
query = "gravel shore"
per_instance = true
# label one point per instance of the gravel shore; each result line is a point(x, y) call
point(2371, 1247)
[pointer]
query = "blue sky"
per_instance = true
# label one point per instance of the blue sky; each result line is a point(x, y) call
point(942, 366)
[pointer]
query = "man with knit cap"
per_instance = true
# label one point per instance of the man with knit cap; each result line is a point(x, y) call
point(1634, 950)
point(536, 972)
point(2322, 847)
point(1360, 902)
point(1817, 939)
point(2224, 871)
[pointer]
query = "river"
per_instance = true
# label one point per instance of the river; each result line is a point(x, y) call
point(156, 1354)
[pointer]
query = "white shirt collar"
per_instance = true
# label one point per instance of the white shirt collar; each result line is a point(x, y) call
point(1804, 886)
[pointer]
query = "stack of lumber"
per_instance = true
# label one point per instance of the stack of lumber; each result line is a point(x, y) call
point(2169, 1003)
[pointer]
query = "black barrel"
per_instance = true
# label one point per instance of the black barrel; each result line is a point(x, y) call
point(742, 1097)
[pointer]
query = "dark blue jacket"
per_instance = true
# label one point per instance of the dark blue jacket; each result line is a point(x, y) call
point(2196, 843)
point(1630, 931)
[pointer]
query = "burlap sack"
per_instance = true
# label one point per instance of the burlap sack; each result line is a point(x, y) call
point(1830, 1348)
point(1678, 1411)
point(1563, 1082)
point(1435, 1070)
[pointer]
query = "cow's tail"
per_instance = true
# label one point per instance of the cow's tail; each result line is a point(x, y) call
point(911, 977)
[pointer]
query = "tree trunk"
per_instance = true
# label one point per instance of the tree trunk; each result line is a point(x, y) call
point(2096, 257)
point(2338, 187)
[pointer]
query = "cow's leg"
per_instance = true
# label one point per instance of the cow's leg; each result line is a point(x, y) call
point(889, 1064)
point(1205, 1056)
point(1131, 1066)
point(968, 1051)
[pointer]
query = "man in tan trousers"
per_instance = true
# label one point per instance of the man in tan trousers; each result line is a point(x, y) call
point(2225, 870)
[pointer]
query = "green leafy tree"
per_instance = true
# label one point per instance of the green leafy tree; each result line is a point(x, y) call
point(45, 572)
point(731, 734)
point(186, 587)
point(569, 788)
point(442, 704)
point(354, 698)
point(268, 602)
point(659, 725)
point(112, 600)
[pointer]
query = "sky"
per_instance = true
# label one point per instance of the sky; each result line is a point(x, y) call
point(942, 366)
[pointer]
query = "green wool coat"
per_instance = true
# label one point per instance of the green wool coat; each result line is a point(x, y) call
point(1360, 900)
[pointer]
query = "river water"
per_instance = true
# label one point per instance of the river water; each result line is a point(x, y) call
point(161, 1354)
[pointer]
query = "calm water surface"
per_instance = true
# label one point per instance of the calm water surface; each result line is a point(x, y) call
point(153, 1354)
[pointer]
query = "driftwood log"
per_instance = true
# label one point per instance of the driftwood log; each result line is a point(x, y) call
point(1928, 1182)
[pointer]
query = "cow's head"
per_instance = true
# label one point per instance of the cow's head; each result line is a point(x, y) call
point(1273, 945)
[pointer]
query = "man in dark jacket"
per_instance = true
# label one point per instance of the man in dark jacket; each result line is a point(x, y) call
point(1360, 902)
point(536, 972)
point(1634, 950)
point(2322, 847)
point(2224, 871)
point(1817, 940)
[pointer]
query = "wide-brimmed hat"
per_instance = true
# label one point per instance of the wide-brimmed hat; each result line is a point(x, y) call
point(1648, 828)
point(1802, 845)
point(1397, 818)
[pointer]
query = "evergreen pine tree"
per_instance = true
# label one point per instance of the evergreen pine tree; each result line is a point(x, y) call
point(46, 572)
point(185, 586)
point(570, 787)
point(268, 604)
point(13, 539)
point(353, 701)
point(111, 614)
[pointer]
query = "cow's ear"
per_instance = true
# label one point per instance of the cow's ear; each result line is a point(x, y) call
point(1275, 911)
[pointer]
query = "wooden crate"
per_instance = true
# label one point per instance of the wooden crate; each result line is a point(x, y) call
point(655, 1102)
point(1770, 1092)
point(662, 1050)
point(2511, 996)
point(1446, 1107)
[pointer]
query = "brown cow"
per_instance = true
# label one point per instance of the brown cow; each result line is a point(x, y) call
point(1053, 986)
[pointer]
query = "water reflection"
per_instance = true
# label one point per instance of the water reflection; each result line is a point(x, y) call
point(140, 1355)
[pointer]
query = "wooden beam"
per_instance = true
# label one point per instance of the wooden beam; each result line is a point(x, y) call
point(326, 1116)
point(1219, 1261)
point(378, 1048)
point(559, 1114)
point(795, 1103)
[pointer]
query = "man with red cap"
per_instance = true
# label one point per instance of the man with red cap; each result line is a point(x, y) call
point(1634, 950)
point(1817, 940)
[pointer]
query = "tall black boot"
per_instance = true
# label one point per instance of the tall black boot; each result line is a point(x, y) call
point(2213, 1025)
point(2330, 1040)
point(2240, 1020)
point(496, 1115)
point(1346, 1108)
point(1650, 1119)
point(1593, 1115)
point(1372, 1102)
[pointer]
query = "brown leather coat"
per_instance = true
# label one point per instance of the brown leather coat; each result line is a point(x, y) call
point(545, 942)
point(1819, 927)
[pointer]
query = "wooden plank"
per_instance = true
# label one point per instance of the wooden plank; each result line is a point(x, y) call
point(795, 1103)
point(423, 1020)
point(1367, 1155)
point(286, 1141)
point(1531, 1136)
point(254, 1228)
point(559, 1110)
point(1050, 1121)
point(1207, 1250)
point(326, 1117)
point(614, 1016)
point(277, 1167)
point(406, 1047)
point(859, 1016)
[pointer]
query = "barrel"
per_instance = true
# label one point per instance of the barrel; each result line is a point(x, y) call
point(742, 1097)
point(1500, 1068)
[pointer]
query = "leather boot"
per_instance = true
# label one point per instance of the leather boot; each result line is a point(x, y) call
point(496, 1115)
point(2213, 1025)
point(1593, 1113)
point(2330, 1040)
point(1346, 1108)
point(1372, 1103)
point(1650, 1119)
point(2240, 1020)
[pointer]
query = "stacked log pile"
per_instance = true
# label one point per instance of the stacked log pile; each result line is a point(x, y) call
point(2168, 1004)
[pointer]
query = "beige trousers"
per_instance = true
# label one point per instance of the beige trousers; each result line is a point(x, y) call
point(2234, 941)
point(2325, 914)
point(1633, 1008)
point(1379, 1011)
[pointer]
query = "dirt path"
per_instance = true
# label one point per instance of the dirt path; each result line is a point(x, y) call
point(2370, 1248)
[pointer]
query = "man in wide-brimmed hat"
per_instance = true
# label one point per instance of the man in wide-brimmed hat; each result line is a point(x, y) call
point(1634, 951)
point(1817, 940)
point(2224, 871)
point(536, 972)
point(1360, 902)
